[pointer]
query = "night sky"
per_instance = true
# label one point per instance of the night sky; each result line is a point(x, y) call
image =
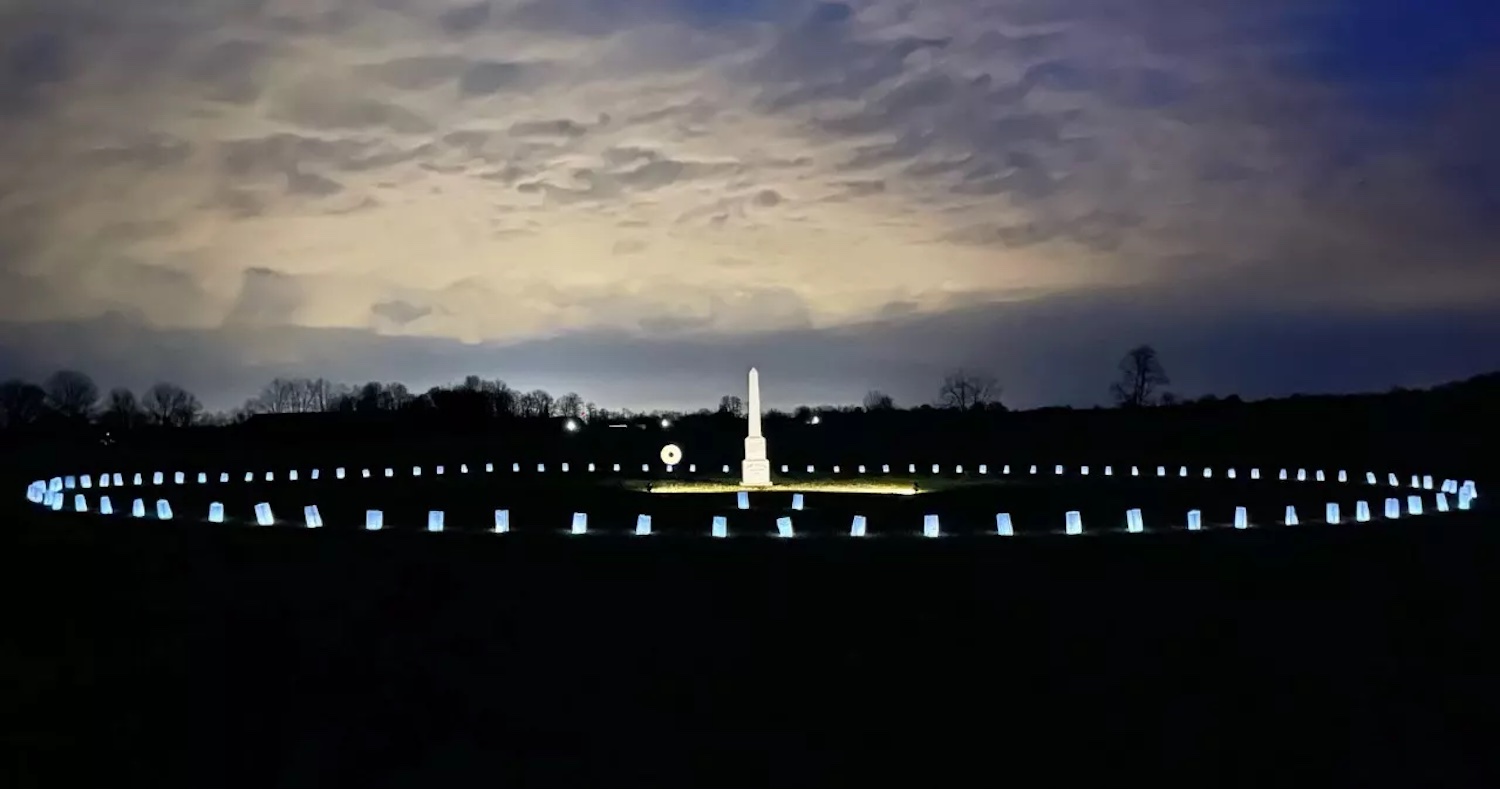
point(639, 200)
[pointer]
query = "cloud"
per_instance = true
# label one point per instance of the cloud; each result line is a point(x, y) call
point(674, 169)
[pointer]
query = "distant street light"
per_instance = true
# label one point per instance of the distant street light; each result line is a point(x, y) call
point(666, 423)
point(571, 426)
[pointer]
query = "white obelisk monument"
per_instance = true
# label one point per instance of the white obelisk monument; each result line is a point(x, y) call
point(756, 469)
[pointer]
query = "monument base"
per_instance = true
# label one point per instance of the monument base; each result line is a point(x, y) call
point(755, 474)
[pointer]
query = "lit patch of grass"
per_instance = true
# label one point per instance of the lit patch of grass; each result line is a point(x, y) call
point(887, 486)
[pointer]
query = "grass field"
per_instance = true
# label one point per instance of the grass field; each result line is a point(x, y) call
point(147, 653)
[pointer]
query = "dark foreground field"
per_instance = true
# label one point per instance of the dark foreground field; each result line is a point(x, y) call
point(150, 654)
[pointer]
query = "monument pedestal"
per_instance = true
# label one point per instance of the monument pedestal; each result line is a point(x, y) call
point(756, 469)
point(756, 474)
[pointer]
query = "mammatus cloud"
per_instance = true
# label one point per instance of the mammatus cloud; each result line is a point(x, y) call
point(505, 172)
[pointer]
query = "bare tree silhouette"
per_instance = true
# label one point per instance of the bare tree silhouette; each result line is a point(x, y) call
point(1141, 378)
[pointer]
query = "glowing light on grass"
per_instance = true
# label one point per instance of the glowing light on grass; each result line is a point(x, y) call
point(1283, 476)
point(1229, 473)
point(515, 468)
point(647, 469)
point(861, 469)
point(1208, 473)
point(216, 512)
point(1057, 470)
point(34, 493)
point(1392, 508)
point(541, 468)
point(1369, 478)
point(591, 468)
point(270, 476)
point(364, 473)
point(106, 507)
point(85, 482)
point(292, 475)
point(312, 517)
point(1362, 512)
point(1427, 482)
point(80, 503)
point(1003, 525)
point(617, 468)
point(57, 502)
point(1254, 473)
point(1415, 482)
point(390, 473)
point(223, 477)
point(103, 480)
point(339, 472)
point(249, 476)
point(871, 486)
point(1109, 471)
point(784, 528)
point(936, 469)
point(930, 526)
point(1395, 483)
point(1414, 505)
point(1073, 521)
point(263, 514)
point(119, 482)
point(1134, 522)
point(1343, 475)
point(156, 479)
point(163, 510)
point(742, 500)
point(1006, 470)
point(1182, 472)
point(958, 469)
point(1442, 502)
point(56, 484)
point(785, 469)
point(720, 526)
point(580, 523)
point(203, 478)
point(502, 521)
point(1450, 486)
point(1241, 518)
point(726, 470)
point(1135, 471)
point(1195, 520)
point(1301, 475)
point(439, 470)
point(983, 469)
point(911, 468)
point(1291, 516)
point(374, 520)
point(489, 468)
point(435, 520)
point(138, 509)
point(1331, 513)
point(463, 468)
point(1465, 499)
point(1033, 470)
point(1161, 471)
point(137, 480)
point(797, 501)
point(1321, 477)
point(885, 469)
point(642, 525)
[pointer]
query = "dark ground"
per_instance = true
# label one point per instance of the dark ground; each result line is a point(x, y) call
point(148, 654)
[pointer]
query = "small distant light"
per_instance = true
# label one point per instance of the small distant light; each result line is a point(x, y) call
point(666, 423)
point(571, 426)
point(815, 420)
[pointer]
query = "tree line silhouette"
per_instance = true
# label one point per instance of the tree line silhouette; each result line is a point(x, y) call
point(71, 398)
point(967, 410)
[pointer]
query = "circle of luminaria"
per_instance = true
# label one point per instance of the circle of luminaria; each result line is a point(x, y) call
point(1389, 496)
